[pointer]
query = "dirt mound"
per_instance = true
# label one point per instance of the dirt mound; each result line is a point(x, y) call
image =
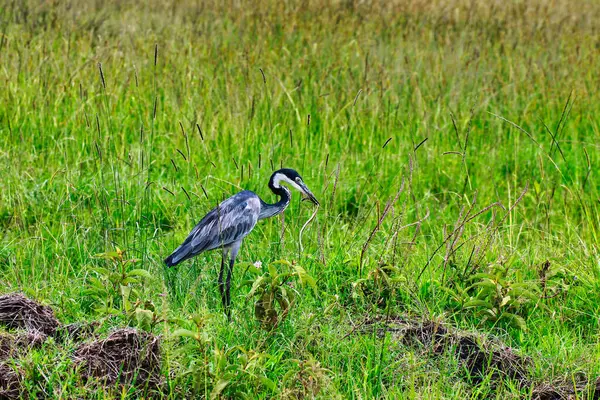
point(501, 361)
point(77, 331)
point(565, 390)
point(550, 392)
point(480, 356)
point(15, 345)
point(126, 355)
point(17, 311)
point(10, 383)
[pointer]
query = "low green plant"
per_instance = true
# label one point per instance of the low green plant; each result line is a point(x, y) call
point(306, 380)
point(221, 373)
point(379, 286)
point(196, 352)
point(239, 373)
point(496, 298)
point(116, 288)
point(274, 291)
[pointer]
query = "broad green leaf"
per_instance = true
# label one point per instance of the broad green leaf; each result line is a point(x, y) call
point(92, 292)
point(177, 320)
point(524, 293)
point(101, 271)
point(144, 318)
point(198, 319)
point(304, 277)
point(97, 283)
point(110, 255)
point(268, 383)
point(257, 283)
point(253, 270)
point(219, 387)
point(482, 275)
point(525, 285)
point(489, 313)
point(478, 303)
point(185, 333)
point(516, 320)
point(107, 310)
point(115, 277)
point(130, 280)
point(282, 262)
point(220, 358)
point(125, 291)
point(272, 270)
point(140, 272)
point(486, 283)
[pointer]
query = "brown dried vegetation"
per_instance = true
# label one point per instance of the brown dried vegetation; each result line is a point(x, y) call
point(125, 356)
point(17, 311)
point(480, 356)
point(10, 383)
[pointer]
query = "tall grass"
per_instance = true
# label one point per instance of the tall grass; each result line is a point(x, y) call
point(122, 124)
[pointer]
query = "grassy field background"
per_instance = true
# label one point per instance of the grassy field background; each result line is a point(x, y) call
point(121, 124)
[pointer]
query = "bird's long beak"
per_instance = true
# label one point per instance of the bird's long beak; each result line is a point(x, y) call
point(308, 194)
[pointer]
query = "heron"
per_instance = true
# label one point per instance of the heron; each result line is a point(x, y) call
point(226, 226)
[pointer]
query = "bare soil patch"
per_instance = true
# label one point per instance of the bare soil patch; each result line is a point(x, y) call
point(125, 356)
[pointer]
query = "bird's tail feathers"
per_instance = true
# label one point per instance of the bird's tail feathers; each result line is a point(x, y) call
point(169, 261)
point(180, 254)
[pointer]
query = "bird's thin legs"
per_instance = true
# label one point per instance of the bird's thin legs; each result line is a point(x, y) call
point(221, 276)
point(227, 302)
point(228, 289)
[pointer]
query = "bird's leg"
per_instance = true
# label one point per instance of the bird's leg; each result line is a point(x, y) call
point(228, 289)
point(234, 250)
point(221, 276)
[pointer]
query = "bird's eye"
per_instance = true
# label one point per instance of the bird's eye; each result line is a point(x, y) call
point(298, 180)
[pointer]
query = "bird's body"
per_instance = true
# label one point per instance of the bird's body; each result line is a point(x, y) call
point(223, 226)
point(226, 225)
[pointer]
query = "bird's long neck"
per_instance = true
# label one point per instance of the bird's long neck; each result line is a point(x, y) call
point(270, 210)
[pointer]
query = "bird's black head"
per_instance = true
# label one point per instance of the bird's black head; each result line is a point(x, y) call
point(289, 173)
point(293, 178)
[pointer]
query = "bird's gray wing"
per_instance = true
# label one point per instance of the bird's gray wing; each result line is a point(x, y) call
point(227, 223)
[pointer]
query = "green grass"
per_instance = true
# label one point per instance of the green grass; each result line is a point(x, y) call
point(197, 101)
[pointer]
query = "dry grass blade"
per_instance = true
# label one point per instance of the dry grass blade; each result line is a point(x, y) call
point(497, 227)
point(385, 212)
point(566, 389)
point(589, 167)
point(468, 217)
point(516, 126)
point(314, 214)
